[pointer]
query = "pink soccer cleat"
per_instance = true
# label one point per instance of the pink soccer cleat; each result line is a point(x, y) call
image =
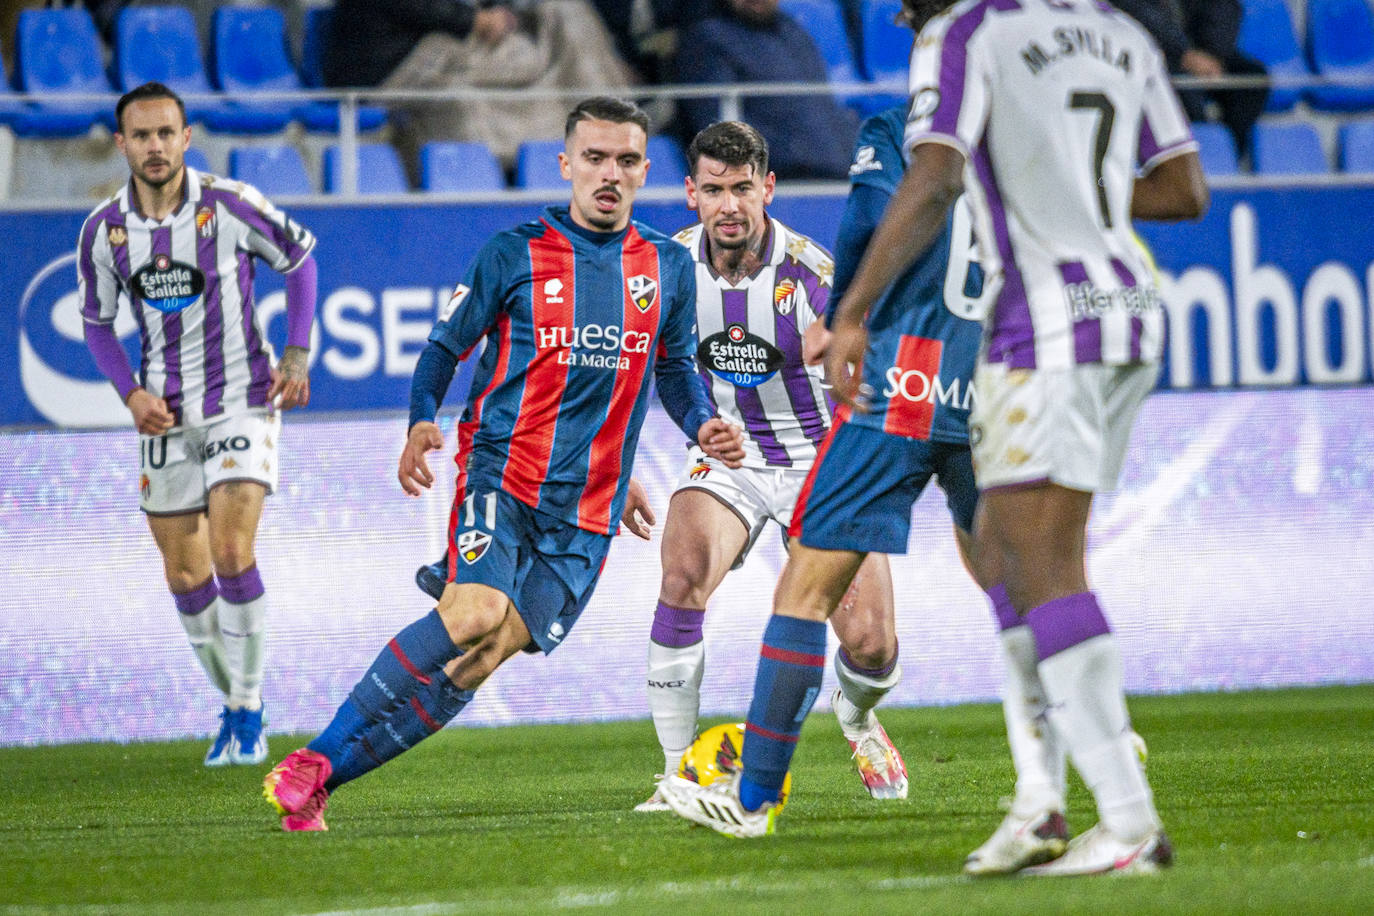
point(311, 815)
point(292, 784)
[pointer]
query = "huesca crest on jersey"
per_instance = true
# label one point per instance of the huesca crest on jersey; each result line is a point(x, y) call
point(472, 545)
point(643, 291)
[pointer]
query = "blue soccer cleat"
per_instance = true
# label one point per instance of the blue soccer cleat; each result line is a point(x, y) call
point(218, 755)
point(247, 745)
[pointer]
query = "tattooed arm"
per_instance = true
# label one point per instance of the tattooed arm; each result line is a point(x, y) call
point(291, 379)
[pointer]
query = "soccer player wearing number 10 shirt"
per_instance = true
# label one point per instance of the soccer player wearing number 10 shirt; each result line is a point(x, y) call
point(577, 309)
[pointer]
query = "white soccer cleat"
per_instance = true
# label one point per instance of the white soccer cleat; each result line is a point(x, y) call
point(880, 763)
point(1097, 851)
point(1019, 842)
point(718, 806)
point(654, 802)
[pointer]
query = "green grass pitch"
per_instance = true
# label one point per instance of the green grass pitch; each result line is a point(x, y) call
point(1268, 796)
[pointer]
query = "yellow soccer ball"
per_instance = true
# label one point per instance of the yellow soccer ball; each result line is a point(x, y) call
point(715, 753)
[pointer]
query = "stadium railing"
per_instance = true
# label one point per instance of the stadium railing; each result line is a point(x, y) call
point(730, 97)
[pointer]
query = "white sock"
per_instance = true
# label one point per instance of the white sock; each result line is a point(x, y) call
point(202, 630)
point(241, 626)
point(859, 693)
point(1083, 685)
point(675, 697)
point(1036, 752)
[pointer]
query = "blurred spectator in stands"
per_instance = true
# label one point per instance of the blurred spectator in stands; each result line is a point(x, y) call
point(752, 41)
point(449, 44)
point(1198, 38)
point(645, 31)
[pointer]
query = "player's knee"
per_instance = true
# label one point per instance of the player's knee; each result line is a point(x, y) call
point(472, 614)
point(683, 587)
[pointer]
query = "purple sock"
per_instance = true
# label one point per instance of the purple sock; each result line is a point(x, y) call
point(242, 588)
point(676, 627)
point(1065, 622)
point(197, 599)
point(1003, 610)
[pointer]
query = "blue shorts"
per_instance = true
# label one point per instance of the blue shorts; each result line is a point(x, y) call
point(861, 490)
point(546, 567)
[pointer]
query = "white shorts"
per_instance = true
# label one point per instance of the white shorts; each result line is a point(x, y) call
point(1064, 426)
point(177, 470)
point(756, 495)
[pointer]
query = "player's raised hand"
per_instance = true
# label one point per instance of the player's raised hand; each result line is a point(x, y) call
point(151, 416)
point(843, 356)
point(414, 473)
point(638, 516)
point(722, 441)
point(815, 342)
point(291, 379)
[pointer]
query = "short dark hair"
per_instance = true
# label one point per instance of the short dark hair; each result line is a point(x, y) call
point(142, 94)
point(606, 108)
point(731, 142)
point(916, 13)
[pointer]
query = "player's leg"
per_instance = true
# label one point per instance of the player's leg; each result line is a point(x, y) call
point(185, 547)
point(867, 668)
point(235, 507)
point(172, 494)
point(1079, 423)
point(407, 665)
point(702, 538)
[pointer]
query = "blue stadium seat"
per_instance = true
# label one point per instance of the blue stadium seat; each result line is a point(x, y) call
point(1217, 149)
point(160, 43)
point(14, 112)
point(1287, 149)
point(317, 19)
point(1357, 146)
point(251, 57)
point(668, 163)
point(379, 170)
point(454, 166)
point(196, 159)
point(1340, 38)
point(273, 170)
point(886, 48)
point(536, 164)
point(59, 53)
point(823, 20)
point(1267, 34)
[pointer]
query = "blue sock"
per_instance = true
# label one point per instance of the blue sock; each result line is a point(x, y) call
point(426, 713)
point(791, 667)
point(406, 665)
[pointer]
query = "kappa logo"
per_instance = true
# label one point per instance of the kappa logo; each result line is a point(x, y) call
point(116, 236)
point(472, 545)
point(227, 464)
point(643, 290)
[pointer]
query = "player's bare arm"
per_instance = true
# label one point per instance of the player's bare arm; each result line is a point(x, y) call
point(912, 221)
point(638, 515)
point(722, 441)
point(815, 341)
point(291, 379)
point(414, 473)
point(1174, 189)
point(151, 416)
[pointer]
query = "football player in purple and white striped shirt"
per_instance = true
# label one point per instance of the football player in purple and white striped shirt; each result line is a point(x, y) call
point(1057, 120)
point(759, 286)
point(178, 247)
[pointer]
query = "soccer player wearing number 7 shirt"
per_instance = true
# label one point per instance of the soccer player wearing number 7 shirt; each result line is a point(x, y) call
point(1057, 121)
point(577, 308)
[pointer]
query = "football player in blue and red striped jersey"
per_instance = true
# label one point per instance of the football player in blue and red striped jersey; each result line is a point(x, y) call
point(577, 308)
